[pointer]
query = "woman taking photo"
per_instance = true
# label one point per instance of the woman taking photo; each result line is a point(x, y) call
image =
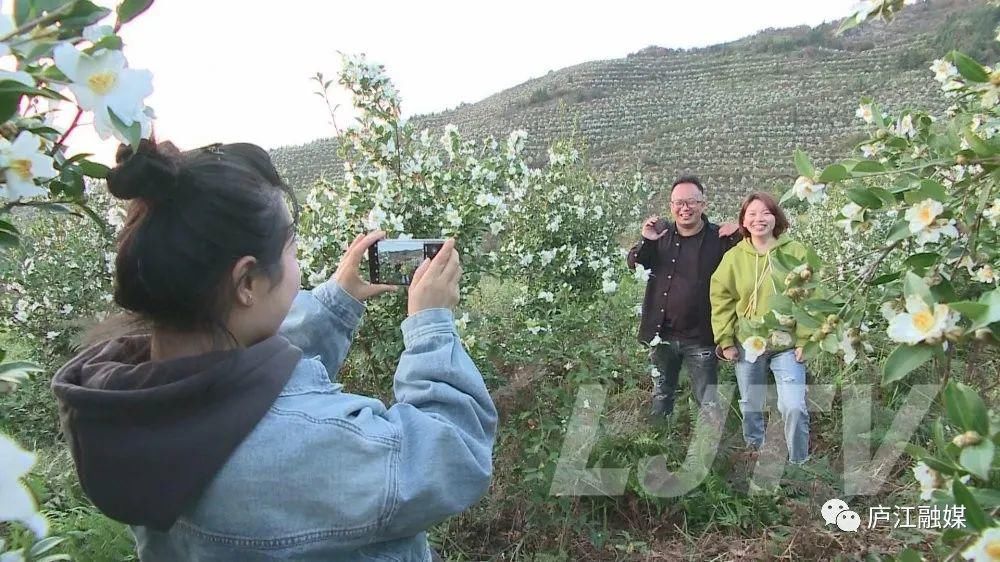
point(740, 290)
point(221, 434)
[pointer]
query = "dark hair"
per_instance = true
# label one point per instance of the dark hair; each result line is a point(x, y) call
point(192, 216)
point(780, 220)
point(688, 179)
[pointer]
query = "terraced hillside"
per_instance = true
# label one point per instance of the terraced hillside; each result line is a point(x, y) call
point(732, 113)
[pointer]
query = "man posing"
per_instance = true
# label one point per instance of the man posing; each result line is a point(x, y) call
point(682, 257)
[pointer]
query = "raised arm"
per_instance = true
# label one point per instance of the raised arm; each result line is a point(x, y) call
point(322, 323)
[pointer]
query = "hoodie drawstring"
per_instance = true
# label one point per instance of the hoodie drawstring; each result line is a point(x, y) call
point(759, 278)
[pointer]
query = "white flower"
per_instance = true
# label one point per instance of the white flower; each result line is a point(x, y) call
point(16, 502)
point(22, 162)
point(463, 322)
point(641, 274)
point(655, 341)
point(547, 256)
point(103, 83)
point(986, 274)
point(922, 214)
point(933, 235)
point(375, 218)
point(52, 335)
point(609, 286)
point(638, 310)
point(889, 310)
point(496, 227)
point(553, 225)
point(869, 150)
point(864, 112)
point(921, 323)
point(905, 127)
point(396, 222)
point(853, 211)
point(453, 217)
point(546, 296)
point(806, 189)
point(848, 350)
point(754, 347)
point(654, 373)
point(992, 213)
point(526, 259)
point(66, 309)
point(986, 548)
point(943, 70)
point(928, 478)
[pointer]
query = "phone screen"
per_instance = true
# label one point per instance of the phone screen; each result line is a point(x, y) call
point(393, 262)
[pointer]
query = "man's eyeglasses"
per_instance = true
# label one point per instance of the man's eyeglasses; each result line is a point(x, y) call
point(689, 203)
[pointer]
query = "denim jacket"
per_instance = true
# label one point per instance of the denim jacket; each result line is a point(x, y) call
point(332, 476)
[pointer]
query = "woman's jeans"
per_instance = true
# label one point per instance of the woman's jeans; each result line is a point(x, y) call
point(790, 382)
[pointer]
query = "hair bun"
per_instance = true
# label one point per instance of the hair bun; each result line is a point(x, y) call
point(149, 172)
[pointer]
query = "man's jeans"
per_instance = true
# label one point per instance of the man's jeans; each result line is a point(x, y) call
point(790, 383)
point(702, 366)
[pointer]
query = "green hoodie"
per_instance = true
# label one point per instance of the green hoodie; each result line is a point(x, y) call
point(742, 285)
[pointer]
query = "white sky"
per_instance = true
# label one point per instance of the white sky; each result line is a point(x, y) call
point(228, 70)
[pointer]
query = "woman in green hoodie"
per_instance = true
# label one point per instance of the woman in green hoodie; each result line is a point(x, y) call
point(741, 288)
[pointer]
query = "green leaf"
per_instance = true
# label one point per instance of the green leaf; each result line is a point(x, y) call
point(834, 173)
point(108, 42)
point(922, 261)
point(903, 360)
point(131, 132)
point(129, 9)
point(933, 190)
point(22, 12)
point(803, 165)
point(16, 371)
point(884, 195)
point(44, 545)
point(867, 167)
point(915, 285)
point(909, 555)
point(978, 458)
point(974, 514)
point(784, 197)
point(899, 231)
point(863, 197)
point(83, 14)
point(992, 302)
point(805, 320)
point(94, 169)
point(965, 408)
point(970, 309)
point(887, 278)
point(978, 144)
point(823, 306)
point(968, 68)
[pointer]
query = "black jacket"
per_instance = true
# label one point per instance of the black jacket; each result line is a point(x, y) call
point(648, 254)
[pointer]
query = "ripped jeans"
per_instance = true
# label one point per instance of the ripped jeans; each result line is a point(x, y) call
point(790, 383)
point(702, 367)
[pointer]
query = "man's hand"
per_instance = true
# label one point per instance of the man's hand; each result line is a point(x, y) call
point(728, 229)
point(798, 354)
point(649, 229)
point(731, 353)
point(347, 270)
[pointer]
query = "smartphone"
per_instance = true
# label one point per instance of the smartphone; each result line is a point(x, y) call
point(393, 262)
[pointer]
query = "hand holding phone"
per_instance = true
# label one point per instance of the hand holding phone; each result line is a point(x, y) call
point(347, 270)
point(435, 282)
point(394, 262)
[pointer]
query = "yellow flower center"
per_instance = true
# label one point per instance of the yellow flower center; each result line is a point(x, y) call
point(993, 550)
point(21, 168)
point(925, 215)
point(102, 82)
point(923, 321)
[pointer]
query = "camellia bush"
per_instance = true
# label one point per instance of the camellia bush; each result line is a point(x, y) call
point(919, 208)
point(58, 56)
point(553, 230)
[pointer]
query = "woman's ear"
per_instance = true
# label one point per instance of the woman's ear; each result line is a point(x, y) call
point(243, 280)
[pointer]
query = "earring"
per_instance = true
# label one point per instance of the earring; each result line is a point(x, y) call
point(250, 300)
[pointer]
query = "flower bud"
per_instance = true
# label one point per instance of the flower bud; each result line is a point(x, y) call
point(8, 130)
point(805, 274)
point(955, 334)
point(961, 160)
point(833, 319)
point(995, 78)
point(967, 439)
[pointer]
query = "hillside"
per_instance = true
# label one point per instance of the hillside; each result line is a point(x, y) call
point(732, 113)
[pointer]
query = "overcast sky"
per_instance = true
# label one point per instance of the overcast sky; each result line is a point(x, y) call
point(228, 70)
